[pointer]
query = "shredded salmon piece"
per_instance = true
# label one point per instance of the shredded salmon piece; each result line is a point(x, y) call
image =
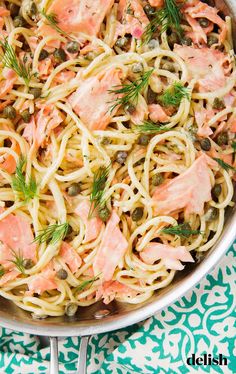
point(70, 256)
point(108, 291)
point(157, 113)
point(44, 281)
point(93, 225)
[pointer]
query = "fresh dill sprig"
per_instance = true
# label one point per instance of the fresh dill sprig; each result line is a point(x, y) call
point(18, 261)
point(150, 127)
point(86, 283)
point(233, 145)
point(53, 233)
point(224, 165)
point(99, 183)
point(26, 191)
point(130, 91)
point(53, 22)
point(174, 95)
point(165, 18)
point(2, 271)
point(10, 61)
point(180, 230)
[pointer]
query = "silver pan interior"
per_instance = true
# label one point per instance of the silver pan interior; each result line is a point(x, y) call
point(122, 315)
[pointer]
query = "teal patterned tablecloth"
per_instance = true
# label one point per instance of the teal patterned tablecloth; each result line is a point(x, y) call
point(202, 322)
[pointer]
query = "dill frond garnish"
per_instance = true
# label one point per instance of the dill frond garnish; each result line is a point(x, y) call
point(2, 271)
point(86, 283)
point(150, 127)
point(224, 165)
point(26, 191)
point(130, 91)
point(53, 22)
point(233, 145)
point(99, 183)
point(18, 261)
point(10, 61)
point(165, 18)
point(174, 95)
point(52, 234)
point(181, 230)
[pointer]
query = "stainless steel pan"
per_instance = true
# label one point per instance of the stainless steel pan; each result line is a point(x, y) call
point(96, 319)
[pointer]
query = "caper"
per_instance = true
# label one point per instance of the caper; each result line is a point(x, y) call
point(218, 104)
point(149, 10)
point(121, 42)
point(151, 96)
point(62, 274)
point(90, 56)
point(19, 21)
point(14, 10)
point(187, 228)
point(205, 144)
point(186, 40)
point(157, 179)
point(74, 189)
point(168, 66)
point(137, 68)
point(43, 54)
point(137, 214)
point(9, 112)
point(28, 263)
point(59, 55)
point(203, 22)
point(173, 38)
point(2, 271)
point(216, 190)
point(143, 139)
point(153, 44)
point(211, 40)
point(105, 141)
point(25, 115)
point(222, 138)
point(72, 47)
point(211, 214)
point(121, 157)
point(130, 108)
point(71, 309)
point(35, 91)
point(104, 213)
point(31, 9)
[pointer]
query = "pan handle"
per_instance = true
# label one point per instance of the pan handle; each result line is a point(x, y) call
point(54, 366)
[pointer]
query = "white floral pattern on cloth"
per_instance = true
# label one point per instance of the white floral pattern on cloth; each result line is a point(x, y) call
point(203, 321)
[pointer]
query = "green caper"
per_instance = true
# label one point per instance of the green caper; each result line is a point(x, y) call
point(205, 144)
point(2, 271)
point(31, 9)
point(153, 44)
point(74, 189)
point(186, 40)
point(211, 40)
point(187, 228)
point(143, 139)
point(19, 21)
point(72, 47)
point(211, 214)
point(137, 214)
point(105, 141)
point(104, 213)
point(90, 56)
point(121, 42)
point(71, 309)
point(121, 157)
point(14, 10)
point(62, 274)
point(157, 179)
point(28, 263)
point(149, 10)
point(25, 115)
point(222, 138)
point(216, 190)
point(59, 55)
point(218, 104)
point(130, 108)
point(168, 66)
point(173, 39)
point(9, 112)
point(35, 91)
point(137, 68)
point(151, 96)
point(43, 54)
point(203, 22)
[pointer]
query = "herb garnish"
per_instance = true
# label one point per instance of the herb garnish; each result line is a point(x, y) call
point(168, 17)
point(86, 283)
point(131, 91)
point(18, 261)
point(26, 191)
point(180, 230)
point(224, 165)
point(52, 233)
point(10, 61)
point(53, 22)
point(99, 183)
point(233, 145)
point(174, 94)
point(150, 127)
point(2, 271)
